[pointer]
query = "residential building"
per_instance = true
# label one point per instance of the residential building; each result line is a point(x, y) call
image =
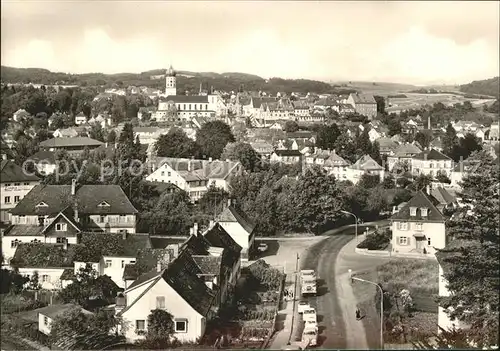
point(492, 135)
point(286, 156)
point(419, 227)
point(337, 166)
point(15, 183)
point(364, 165)
point(73, 145)
point(195, 176)
point(240, 227)
point(175, 288)
point(94, 208)
point(80, 119)
point(462, 169)
point(430, 162)
point(149, 135)
point(72, 132)
point(446, 198)
point(402, 157)
point(386, 145)
point(364, 104)
point(262, 148)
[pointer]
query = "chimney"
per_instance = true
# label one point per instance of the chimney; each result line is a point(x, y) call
point(73, 187)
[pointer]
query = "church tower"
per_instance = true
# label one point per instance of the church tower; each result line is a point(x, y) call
point(170, 82)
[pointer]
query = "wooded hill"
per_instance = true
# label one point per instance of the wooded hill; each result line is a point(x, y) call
point(483, 87)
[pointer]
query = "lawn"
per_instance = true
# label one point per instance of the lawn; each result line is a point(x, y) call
point(418, 276)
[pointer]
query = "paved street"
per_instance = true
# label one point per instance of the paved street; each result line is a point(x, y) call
point(336, 303)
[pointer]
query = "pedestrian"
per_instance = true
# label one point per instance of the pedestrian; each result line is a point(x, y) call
point(358, 314)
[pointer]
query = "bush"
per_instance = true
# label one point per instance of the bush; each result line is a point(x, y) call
point(264, 275)
point(17, 303)
point(376, 241)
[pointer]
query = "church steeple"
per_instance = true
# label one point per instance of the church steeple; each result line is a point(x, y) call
point(170, 82)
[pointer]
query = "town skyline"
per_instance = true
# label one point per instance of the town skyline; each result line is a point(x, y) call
point(406, 42)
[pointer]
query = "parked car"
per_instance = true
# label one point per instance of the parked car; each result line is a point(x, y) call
point(303, 305)
point(309, 315)
point(262, 247)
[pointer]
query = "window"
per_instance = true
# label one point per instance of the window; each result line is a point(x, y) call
point(102, 219)
point(22, 219)
point(7, 185)
point(168, 174)
point(160, 301)
point(162, 173)
point(42, 204)
point(60, 240)
point(140, 324)
point(402, 225)
point(413, 211)
point(424, 212)
point(45, 278)
point(108, 263)
point(402, 240)
point(16, 199)
point(429, 241)
point(418, 226)
point(190, 106)
point(26, 183)
point(183, 106)
point(123, 264)
point(17, 184)
point(103, 204)
point(181, 326)
point(132, 262)
point(7, 200)
point(45, 320)
point(14, 243)
point(61, 227)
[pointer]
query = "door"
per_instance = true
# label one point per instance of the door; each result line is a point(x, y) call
point(420, 243)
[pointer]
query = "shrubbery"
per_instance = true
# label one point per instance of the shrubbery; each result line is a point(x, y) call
point(377, 241)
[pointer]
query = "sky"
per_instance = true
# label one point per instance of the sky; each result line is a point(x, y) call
point(409, 42)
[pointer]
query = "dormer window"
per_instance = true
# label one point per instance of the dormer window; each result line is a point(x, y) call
point(42, 204)
point(413, 211)
point(424, 211)
point(103, 204)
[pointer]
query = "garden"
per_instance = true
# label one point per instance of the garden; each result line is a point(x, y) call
point(251, 320)
point(410, 291)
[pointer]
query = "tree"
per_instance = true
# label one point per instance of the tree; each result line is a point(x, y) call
point(389, 182)
point(327, 136)
point(57, 122)
point(467, 145)
point(394, 126)
point(34, 282)
point(213, 137)
point(172, 214)
point(291, 126)
point(88, 289)
point(176, 144)
point(442, 177)
point(474, 248)
point(212, 202)
point(111, 137)
point(96, 132)
point(424, 138)
point(380, 104)
point(11, 281)
point(363, 144)
point(244, 153)
point(450, 141)
point(160, 325)
point(421, 182)
point(369, 181)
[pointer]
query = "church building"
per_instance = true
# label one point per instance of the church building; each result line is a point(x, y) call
point(173, 106)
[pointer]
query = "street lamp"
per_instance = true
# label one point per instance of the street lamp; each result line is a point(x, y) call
point(381, 305)
point(356, 223)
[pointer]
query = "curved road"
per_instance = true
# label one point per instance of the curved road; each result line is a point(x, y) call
point(334, 288)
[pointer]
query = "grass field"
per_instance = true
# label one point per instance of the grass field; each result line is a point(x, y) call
point(413, 274)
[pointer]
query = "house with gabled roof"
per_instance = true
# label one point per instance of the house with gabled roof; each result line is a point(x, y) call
point(194, 176)
point(418, 228)
point(240, 227)
point(175, 288)
point(100, 208)
point(286, 156)
point(15, 183)
point(402, 156)
point(337, 166)
point(73, 145)
point(80, 119)
point(364, 104)
point(386, 145)
point(430, 162)
point(364, 165)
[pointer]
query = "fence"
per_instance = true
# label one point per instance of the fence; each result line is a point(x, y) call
point(274, 326)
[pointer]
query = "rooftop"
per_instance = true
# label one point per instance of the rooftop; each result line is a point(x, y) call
point(70, 142)
point(233, 214)
point(419, 201)
point(11, 172)
point(366, 163)
point(432, 154)
point(38, 255)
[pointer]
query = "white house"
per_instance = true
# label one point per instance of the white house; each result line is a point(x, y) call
point(430, 162)
point(402, 156)
point(240, 227)
point(365, 165)
point(46, 315)
point(149, 135)
point(15, 183)
point(176, 289)
point(195, 176)
point(80, 119)
point(418, 228)
point(286, 156)
point(337, 166)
